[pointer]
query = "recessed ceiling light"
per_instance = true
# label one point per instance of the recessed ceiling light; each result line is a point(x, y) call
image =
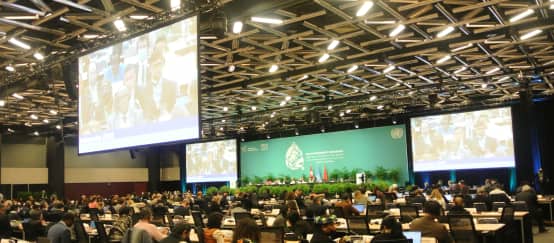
point(34, 117)
point(58, 127)
point(389, 68)
point(53, 112)
point(462, 47)
point(283, 103)
point(304, 108)
point(348, 111)
point(36, 133)
point(287, 98)
point(323, 58)
point(364, 8)
point(38, 56)
point(443, 59)
point(19, 43)
point(530, 34)
point(352, 69)
point(484, 86)
point(46, 121)
point(237, 27)
point(445, 32)
point(225, 108)
point(253, 108)
point(273, 68)
point(493, 70)
point(10, 68)
point(175, 4)
point(17, 96)
point(380, 107)
point(231, 68)
point(372, 98)
point(2, 103)
point(329, 107)
point(260, 92)
point(522, 15)
point(266, 20)
point(397, 30)
point(333, 44)
point(120, 25)
point(341, 114)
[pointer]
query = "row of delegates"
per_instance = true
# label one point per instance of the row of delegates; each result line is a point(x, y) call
point(246, 230)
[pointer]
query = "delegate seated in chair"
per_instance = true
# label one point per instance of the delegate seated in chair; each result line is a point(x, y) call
point(427, 224)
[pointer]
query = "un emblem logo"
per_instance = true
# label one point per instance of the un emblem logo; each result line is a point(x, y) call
point(294, 159)
point(396, 133)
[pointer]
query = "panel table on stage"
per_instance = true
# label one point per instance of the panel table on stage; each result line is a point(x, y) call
point(546, 202)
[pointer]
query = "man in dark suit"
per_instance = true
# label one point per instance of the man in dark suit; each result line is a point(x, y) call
point(428, 226)
point(59, 232)
point(529, 196)
point(316, 209)
point(458, 208)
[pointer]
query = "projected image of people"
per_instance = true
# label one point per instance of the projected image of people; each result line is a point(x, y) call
point(212, 161)
point(140, 91)
point(479, 139)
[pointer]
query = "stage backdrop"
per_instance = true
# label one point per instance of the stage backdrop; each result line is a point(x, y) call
point(294, 156)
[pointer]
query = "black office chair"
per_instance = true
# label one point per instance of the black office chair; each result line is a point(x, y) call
point(82, 236)
point(480, 206)
point(197, 218)
point(374, 211)
point(463, 229)
point(200, 234)
point(357, 225)
point(339, 212)
point(408, 213)
point(272, 235)
point(520, 206)
point(497, 205)
point(507, 216)
point(32, 231)
point(102, 234)
point(241, 215)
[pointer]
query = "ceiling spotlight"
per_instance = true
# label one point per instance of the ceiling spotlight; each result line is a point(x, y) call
point(352, 69)
point(223, 121)
point(283, 103)
point(341, 114)
point(372, 98)
point(221, 129)
point(380, 107)
point(2, 103)
point(522, 15)
point(272, 114)
point(484, 86)
point(348, 111)
point(17, 96)
point(267, 136)
point(397, 30)
point(74, 5)
point(58, 127)
point(225, 108)
point(237, 27)
point(19, 43)
point(175, 4)
point(253, 108)
point(364, 8)
point(356, 125)
point(46, 121)
point(11, 130)
point(460, 70)
point(389, 68)
point(462, 47)
point(34, 117)
point(38, 56)
point(273, 68)
point(329, 107)
point(504, 79)
point(231, 68)
point(137, 17)
point(333, 45)
point(287, 98)
point(266, 20)
point(552, 4)
point(296, 132)
point(120, 25)
point(445, 32)
point(322, 129)
point(493, 70)
point(10, 68)
point(304, 108)
point(260, 92)
point(304, 77)
point(443, 59)
point(530, 34)
point(323, 58)
point(36, 133)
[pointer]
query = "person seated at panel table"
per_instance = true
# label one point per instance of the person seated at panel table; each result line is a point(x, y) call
point(325, 230)
point(145, 224)
point(529, 196)
point(436, 196)
point(346, 205)
point(482, 196)
point(458, 208)
point(247, 231)
point(427, 224)
point(180, 233)
point(499, 195)
point(391, 230)
point(212, 232)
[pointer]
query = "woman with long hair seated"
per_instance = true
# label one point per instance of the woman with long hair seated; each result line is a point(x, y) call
point(246, 231)
point(391, 230)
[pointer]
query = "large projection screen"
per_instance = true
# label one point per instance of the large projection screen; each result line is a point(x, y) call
point(469, 140)
point(141, 91)
point(212, 161)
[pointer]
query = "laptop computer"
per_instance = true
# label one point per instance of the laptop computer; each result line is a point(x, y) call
point(414, 235)
point(359, 207)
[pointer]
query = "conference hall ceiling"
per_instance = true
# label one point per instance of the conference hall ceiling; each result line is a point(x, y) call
point(320, 63)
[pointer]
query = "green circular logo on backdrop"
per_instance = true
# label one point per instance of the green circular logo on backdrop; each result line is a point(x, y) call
point(396, 133)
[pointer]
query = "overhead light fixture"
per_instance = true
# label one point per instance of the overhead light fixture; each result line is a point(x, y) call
point(445, 32)
point(333, 45)
point(493, 70)
point(522, 15)
point(323, 58)
point(530, 34)
point(283, 103)
point(352, 69)
point(380, 107)
point(36, 133)
point(74, 5)
point(38, 56)
point(266, 20)
point(10, 68)
point(444, 59)
point(225, 108)
point(17, 96)
point(296, 132)
point(260, 92)
point(379, 21)
point(175, 4)
point(356, 125)
point(90, 36)
point(372, 98)
point(304, 77)
point(484, 86)
point(237, 27)
point(552, 4)
point(504, 79)
point(53, 112)
point(231, 68)
point(2, 103)
point(364, 8)
point(462, 47)
point(329, 107)
point(341, 114)
point(253, 108)
point(397, 30)
point(138, 17)
point(34, 117)
point(287, 98)
point(273, 68)
point(19, 43)
point(58, 127)
point(11, 130)
point(460, 70)
point(22, 17)
point(46, 121)
point(208, 37)
point(267, 136)
point(304, 108)
point(348, 111)
point(389, 68)
point(120, 25)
